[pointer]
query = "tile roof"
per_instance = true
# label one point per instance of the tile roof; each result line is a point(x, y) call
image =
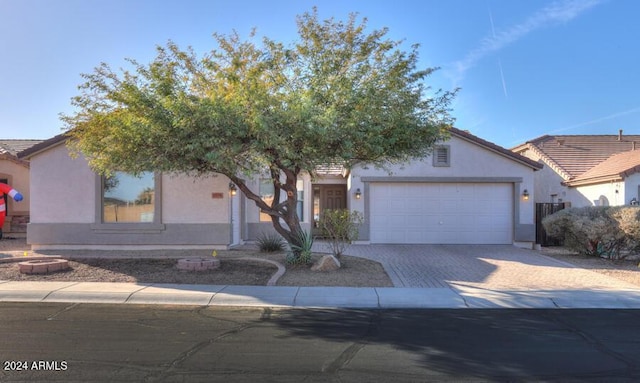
point(42, 146)
point(573, 155)
point(13, 147)
point(333, 169)
point(614, 168)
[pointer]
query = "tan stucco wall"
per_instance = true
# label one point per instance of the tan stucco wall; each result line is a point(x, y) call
point(613, 191)
point(65, 209)
point(189, 200)
point(18, 177)
point(64, 191)
point(468, 160)
point(62, 188)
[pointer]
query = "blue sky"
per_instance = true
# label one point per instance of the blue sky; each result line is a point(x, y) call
point(525, 68)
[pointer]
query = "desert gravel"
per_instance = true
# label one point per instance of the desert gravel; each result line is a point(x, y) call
point(158, 266)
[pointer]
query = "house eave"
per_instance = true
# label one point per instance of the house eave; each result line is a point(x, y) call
point(33, 151)
point(594, 180)
point(14, 159)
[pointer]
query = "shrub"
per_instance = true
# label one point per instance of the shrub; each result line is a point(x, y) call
point(628, 221)
point(268, 243)
point(300, 253)
point(340, 227)
point(602, 231)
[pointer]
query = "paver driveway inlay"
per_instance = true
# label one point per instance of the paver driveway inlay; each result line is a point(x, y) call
point(480, 266)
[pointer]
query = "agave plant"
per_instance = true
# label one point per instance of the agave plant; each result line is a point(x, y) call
point(268, 243)
point(301, 253)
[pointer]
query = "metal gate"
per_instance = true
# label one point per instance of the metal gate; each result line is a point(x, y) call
point(543, 210)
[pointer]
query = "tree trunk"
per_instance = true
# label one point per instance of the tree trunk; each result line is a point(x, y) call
point(280, 211)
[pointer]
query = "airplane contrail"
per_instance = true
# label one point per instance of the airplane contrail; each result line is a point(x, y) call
point(493, 32)
point(600, 119)
point(558, 12)
point(504, 84)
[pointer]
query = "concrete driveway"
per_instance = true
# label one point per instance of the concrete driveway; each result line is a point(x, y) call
point(491, 267)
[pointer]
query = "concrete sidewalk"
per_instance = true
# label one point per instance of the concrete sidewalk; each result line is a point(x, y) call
point(456, 296)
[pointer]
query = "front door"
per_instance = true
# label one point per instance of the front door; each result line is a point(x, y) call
point(331, 197)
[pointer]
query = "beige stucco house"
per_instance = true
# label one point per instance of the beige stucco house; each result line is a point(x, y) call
point(15, 172)
point(469, 191)
point(586, 170)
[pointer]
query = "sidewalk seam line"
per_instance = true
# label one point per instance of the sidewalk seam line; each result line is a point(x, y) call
point(135, 292)
point(295, 297)
point(214, 295)
point(56, 290)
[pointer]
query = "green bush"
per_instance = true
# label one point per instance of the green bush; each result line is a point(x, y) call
point(269, 243)
point(610, 232)
point(340, 228)
point(300, 253)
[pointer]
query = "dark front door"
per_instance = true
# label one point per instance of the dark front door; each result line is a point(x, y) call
point(331, 197)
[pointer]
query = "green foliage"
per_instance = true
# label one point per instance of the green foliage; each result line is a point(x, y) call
point(610, 232)
point(340, 94)
point(270, 242)
point(301, 249)
point(340, 227)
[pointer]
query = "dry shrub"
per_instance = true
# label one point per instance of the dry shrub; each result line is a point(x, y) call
point(610, 232)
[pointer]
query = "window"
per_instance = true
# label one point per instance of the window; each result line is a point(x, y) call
point(126, 198)
point(300, 205)
point(442, 156)
point(266, 193)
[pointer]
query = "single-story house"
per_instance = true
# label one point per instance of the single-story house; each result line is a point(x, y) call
point(470, 191)
point(586, 170)
point(15, 172)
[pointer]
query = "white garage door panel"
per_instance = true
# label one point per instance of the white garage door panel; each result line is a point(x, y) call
point(447, 213)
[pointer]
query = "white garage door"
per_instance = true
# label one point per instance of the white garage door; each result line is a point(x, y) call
point(441, 213)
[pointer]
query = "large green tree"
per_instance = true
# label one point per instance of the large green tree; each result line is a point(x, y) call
point(339, 94)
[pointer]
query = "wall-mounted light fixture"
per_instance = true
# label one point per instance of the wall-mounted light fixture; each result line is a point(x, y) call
point(233, 190)
point(525, 195)
point(358, 193)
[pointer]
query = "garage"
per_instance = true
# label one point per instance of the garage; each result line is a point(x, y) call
point(441, 213)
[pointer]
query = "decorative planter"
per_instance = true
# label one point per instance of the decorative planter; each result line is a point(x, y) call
point(43, 266)
point(198, 264)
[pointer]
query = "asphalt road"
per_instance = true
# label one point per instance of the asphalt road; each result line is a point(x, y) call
point(42, 342)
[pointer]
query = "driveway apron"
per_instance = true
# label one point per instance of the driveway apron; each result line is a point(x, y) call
point(501, 267)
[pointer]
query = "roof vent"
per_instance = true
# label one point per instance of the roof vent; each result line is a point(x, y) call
point(620, 135)
point(633, 145)
point(560, 142)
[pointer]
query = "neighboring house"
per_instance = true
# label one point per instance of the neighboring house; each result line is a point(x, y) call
point(470, 192)
point(586, 170)
point(15, 172)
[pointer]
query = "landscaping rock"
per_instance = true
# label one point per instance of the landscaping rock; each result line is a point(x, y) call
point(326, 263)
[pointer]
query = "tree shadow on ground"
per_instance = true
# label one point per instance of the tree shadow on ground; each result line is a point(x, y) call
point(480, 344)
